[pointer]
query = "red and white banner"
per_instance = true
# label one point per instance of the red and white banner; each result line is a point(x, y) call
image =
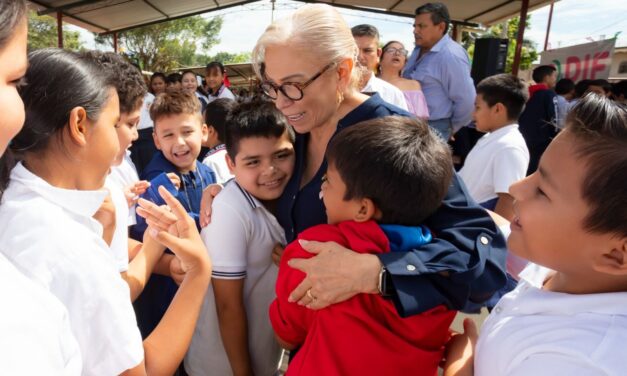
point(589, 61)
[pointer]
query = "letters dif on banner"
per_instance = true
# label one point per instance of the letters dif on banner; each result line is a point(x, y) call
point(584, 61)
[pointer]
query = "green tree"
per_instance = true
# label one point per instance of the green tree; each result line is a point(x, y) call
point(231, 58)
point(167, 45)
point(528, 52)
point(42, 33)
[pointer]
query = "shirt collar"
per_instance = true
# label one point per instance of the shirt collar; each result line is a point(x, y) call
point(254, 203)
point(440, 44)
point(503, 130)
point(535, 300)
point(82, 203)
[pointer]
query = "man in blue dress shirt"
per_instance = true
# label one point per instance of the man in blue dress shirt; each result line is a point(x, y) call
point(443, 69)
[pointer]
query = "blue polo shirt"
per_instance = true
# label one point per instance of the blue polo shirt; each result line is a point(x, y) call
point(464, 263)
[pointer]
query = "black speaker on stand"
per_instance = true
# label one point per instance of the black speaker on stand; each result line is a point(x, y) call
point(489, 58)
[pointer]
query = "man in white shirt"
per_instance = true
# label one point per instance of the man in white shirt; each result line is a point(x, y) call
point(367, 39)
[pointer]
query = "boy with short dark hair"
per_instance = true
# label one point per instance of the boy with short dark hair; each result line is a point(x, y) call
point(233, 335)
point(500, 158)
point(376, 171)
point(568, 315)
point(215, 119)
point(178, 134)
point(538, 120)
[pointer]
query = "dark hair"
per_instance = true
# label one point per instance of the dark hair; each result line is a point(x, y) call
point(157, 75)
point(439, 13)
point(255, 118)
point(600, 128)
point(365, 30)
point(11, 15)
point(216, 113)
point(564, 86)
point(215, 65)
point(127, 79)
point(173, 78)
point(607, 87)
point(620, 88)
point(541, 72)
point(58, 81)
point(398, 162)
point(581, 87)
point(174, 102)
point(507, 89)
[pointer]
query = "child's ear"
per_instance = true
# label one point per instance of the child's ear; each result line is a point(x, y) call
point(613, 261)
point(77, 124)
point(367, 210)
point(205, 132)
point(230, 163)
point(156, 139)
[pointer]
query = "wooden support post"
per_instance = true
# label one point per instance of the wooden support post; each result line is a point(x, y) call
point(521, 33)
point(548, 26)
point(59, 29)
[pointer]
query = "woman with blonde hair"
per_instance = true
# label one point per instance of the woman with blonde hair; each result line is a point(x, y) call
point(306, 65)
point(393, 60)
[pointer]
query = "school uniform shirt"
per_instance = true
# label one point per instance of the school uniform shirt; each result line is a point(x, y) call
point(498, 160)
point(240, 239)
point(386, 90)
point(49, 234)
point(463, 232)
point(222, 92)
point(363, 335)
point(532, 331)
point(216, 160)
point(35, 333)
point(124, 176)
point(145, 122)
point(119, 242)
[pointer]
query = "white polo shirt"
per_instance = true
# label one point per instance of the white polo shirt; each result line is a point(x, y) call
point(536, 332)
point(49, 234)
point(119, 243)
point(498, 160)
point(216, 159)
point(125, 175)
point(145, 121)
point(35, 333)
point(240, 240)
point(386, 90)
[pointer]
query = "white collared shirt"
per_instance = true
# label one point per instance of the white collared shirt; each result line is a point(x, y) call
point(119, 242)
point(386, 90)
point(144, 117)
point(498, 160)
point(49, 234)
point(536, 332)
point(35, 333)
point(240, 239)
point(124, 176)
point(216, 159)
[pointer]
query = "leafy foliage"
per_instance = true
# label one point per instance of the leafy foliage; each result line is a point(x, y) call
point(168, 45)
point(42, 33)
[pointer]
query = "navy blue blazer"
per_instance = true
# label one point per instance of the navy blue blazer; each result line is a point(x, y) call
point(466, 246)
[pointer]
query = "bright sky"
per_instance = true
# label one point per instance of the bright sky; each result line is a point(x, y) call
point(573, 22)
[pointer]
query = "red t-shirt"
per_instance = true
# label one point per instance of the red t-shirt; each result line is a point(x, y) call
point(363, 335)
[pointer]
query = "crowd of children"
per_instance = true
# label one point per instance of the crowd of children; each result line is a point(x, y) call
point(102, 181)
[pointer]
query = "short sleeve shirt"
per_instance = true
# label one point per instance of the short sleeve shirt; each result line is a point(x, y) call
point(240, 240)
point(49, 234)
point(498, 160)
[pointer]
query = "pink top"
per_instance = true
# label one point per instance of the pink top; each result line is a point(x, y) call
point(416, 103)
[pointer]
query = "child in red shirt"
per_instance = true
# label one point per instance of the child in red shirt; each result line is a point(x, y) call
point(379, 171)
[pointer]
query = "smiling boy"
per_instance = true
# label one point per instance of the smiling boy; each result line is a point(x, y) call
point(233, 335)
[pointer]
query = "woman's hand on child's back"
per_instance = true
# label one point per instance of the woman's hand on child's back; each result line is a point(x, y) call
point(277, 252)
point(175, 229)
point(208, 195)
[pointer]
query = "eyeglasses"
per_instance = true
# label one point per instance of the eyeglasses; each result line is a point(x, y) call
point(292, 90)
point(394, 51)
